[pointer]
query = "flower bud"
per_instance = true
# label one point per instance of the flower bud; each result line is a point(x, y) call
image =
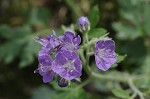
point(84, 24)
point(62, 82)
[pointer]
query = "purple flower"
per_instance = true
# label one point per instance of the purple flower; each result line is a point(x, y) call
point(50, 42)
point(44, 67)
point(67, 65)
point(84, 23)
point(70, 41)
point(45, 50)
point(104, 54)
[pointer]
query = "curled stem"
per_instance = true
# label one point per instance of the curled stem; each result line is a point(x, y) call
point(135, 89)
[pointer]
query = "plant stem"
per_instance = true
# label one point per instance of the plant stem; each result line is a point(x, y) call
point(87, 40)
point(91, 53)
point(85, 45)
point(81, 53)
point(135, 89)
point(109, 77)
point(133, 96)
point(85, 82)
point(87, 51)
point(116, 76)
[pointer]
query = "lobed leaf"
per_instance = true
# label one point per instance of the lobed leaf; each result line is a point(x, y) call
point(97, 32)
point(121, 93)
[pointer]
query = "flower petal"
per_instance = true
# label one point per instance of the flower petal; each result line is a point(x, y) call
point(45, 60)
point(48, 77)
point(104, 54)
point(71, 67)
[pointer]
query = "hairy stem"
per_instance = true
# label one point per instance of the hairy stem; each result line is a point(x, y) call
point(109, 77)
point(87, 56)
point(135, 89)
point(92, 41)
point(81, 53)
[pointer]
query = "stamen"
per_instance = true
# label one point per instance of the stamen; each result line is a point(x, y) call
point(36, 71)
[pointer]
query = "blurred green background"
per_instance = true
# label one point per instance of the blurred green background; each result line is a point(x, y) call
point(127, 21)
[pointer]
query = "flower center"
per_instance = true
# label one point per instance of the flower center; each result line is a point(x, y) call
point(104, 53)
point(100, 53)
point(70, 46)
point(69, 64)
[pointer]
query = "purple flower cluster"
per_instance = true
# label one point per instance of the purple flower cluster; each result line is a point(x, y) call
point(66, 63)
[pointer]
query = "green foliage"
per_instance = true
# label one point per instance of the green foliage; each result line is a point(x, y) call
point(126, 32)
point(39, 15)
point(7, 32)
point(136, 17)
point(19, 40)
point(29, 52)
point(47, 93)
point(42, 92)
point(94, 16)
point(133, 30)
point(121, 93)
point(120, 58)
point(24, 19)
point(98, 32)
point(131, 49)
point(103, 86)
point(76, 93)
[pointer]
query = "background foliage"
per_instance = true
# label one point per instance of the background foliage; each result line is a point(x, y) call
point(127, 21)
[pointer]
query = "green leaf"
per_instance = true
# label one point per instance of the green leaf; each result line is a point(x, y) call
point(129, 16)
point(146, 17)
point(74, 93)
point(94, 16)
point(120, 58)
point(39, 15)
point(42, 92)
point(120, 93)
point(45, 92)
point(126, 32)
point(70, 92)
point(29, 52)
point(10, 50)
point(96, 32)
point(6, 32)
point(44, 14)
point(16, 38)
point(14, 33)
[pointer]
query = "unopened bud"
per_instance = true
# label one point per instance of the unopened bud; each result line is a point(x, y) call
point(84, 24)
